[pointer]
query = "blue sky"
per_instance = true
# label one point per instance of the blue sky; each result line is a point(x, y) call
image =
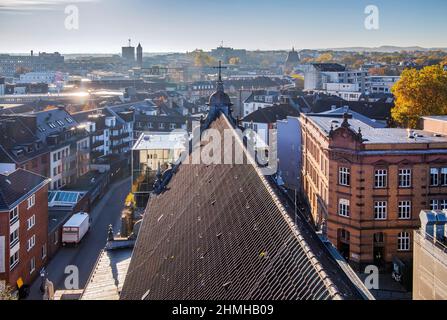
point(182, 25)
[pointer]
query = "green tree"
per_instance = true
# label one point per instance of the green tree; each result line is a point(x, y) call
point(418, 94)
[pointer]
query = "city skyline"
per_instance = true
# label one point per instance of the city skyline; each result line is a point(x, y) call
point(176, 26)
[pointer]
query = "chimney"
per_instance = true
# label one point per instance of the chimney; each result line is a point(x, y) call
point(32, 53)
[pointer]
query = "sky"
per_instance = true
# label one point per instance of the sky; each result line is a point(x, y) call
point(184, 25)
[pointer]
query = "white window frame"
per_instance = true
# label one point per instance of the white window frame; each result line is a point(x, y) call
point(44, 251)
point(32, 265)
point(434, 176)
point(444, 177)
point(405, 178)
point(344, 208)
point(443, 204)
point(380, 210)
point(16, 260)
point(434, 204)
point(15, 213)
point(31, 222)
point(344, 176)
point(31, 201)
point(380, 178)
point(403, 241)
point(404, 210)
point(14, 240)
point(31, 243)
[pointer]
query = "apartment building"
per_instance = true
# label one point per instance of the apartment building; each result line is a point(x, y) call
point(260, 99)
point(365, 185)
point(23, 227)
point(50, 143)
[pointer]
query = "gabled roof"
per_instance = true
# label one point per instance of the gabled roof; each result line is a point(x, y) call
point(222, 232)
point(17, 186)
point(272, 114)
point(53, 121)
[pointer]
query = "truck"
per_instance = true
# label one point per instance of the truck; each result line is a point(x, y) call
point(76, 228)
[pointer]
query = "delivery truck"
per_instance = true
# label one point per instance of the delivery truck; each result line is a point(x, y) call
point(76, 228)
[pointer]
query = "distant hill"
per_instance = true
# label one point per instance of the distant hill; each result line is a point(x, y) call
point(386, 49)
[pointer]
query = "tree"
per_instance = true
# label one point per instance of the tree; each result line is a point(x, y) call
point(202, 59)
point(7, 294)
point(234, 61)
point(418, 94)
point(324, 58)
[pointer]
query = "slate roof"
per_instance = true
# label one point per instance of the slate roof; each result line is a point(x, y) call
point(379, 110)
point(222, 232)
point(272, 114)
point(17, 186)
point(329, 67)
point(53, 122)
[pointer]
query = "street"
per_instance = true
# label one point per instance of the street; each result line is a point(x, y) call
point(107, 211)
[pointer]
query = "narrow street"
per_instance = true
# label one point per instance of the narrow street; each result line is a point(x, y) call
point(107, 211)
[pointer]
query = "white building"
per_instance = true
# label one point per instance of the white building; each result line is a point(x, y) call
point(49, 77)
point(381, 84)
point(333, 78)
point(260, 99)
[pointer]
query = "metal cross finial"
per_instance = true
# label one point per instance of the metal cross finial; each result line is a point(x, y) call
point(220, 70)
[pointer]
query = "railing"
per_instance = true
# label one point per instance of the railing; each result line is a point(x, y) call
point(441, 245)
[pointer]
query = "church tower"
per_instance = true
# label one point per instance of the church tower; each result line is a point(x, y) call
point(140, 55)
point(219, 100)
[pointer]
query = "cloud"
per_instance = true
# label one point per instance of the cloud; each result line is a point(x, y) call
point(21, 6)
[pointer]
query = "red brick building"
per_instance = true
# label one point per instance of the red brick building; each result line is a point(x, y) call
point(23, 226)
point(366, 185)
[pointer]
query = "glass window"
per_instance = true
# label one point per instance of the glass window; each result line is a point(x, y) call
point(405, 209)
point(380, 210)
point(434, 177)
point(403, 241)
point(434, 204)
point(444, 176)
point(14, 215)
point(380, 178)
point(344, 176)
point(405, 178)
point(343, 207)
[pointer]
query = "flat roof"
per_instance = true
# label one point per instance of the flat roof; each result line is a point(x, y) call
point(161, 140)
point(373, 135)
point(76, 220)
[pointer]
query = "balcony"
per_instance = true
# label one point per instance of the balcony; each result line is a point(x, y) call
point(119, 136)
point(97, 143)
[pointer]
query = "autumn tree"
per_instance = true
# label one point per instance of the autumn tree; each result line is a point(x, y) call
point(420, 93)
point(234, 61)
point(324, 58)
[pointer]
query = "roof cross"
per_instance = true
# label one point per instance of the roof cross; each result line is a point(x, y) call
point(220, 70)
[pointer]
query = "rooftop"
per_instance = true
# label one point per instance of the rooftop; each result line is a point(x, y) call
point(160, 140)
point(272, 114)
point(107, 279)
point(228, 228)
point(17, 186)
point(375, 135)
